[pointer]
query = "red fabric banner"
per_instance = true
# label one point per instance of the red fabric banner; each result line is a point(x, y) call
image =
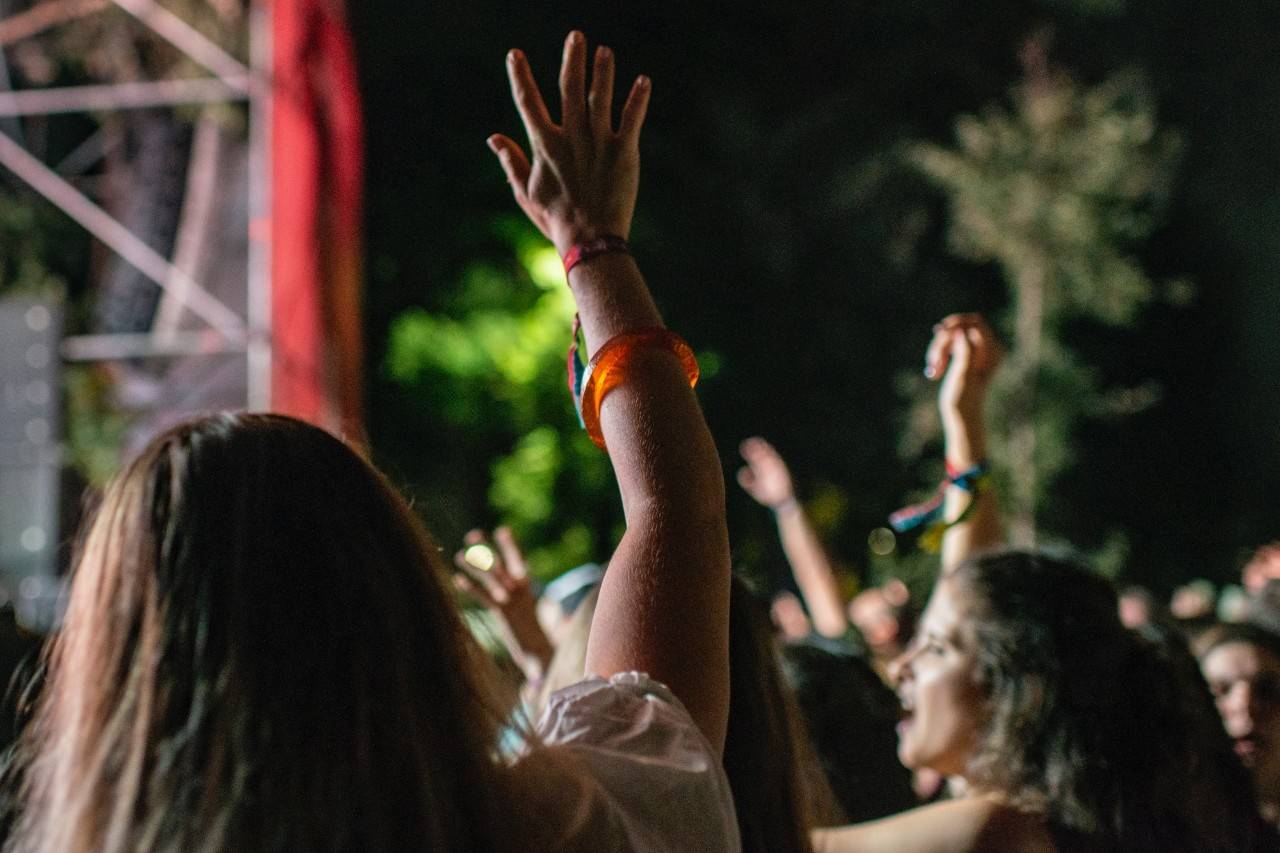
point(317, 156)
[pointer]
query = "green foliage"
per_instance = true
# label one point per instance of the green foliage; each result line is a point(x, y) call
point(494, 368)
point(95, 429)
point(25, 240)
point(1058, 192)
point(1067, 184)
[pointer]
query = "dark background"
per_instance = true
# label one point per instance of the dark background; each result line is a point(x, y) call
point(776, 232)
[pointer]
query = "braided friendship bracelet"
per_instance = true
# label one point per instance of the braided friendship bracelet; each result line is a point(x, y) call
point(929, 513)
point(589, 249)
point(608, 369)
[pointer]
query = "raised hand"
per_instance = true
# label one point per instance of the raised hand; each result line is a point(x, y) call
point(1263, 567)
point(664, 607)
point(583, 178)
point(499, 580)
point(963, 355)
point(765, 476)
point(767, 479)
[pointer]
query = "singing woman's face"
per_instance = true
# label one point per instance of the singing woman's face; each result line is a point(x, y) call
point(942, 703)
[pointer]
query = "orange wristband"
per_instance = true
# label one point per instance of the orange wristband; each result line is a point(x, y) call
point(608, 369)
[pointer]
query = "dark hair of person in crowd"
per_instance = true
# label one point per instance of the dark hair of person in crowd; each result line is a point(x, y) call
point(1222, 768)
point(764, 745)
point(1237, 632)
point(305, 683)
point(849, 714)
point(1088, 722)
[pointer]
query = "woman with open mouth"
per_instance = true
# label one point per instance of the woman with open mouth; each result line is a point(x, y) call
point(1063, 730)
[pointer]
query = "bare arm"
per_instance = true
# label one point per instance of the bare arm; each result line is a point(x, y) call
point(663, 606)
point(767, 479)
point(969, 825)
point(964, 354)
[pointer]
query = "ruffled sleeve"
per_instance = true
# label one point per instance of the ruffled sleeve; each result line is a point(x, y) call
point(650, 781)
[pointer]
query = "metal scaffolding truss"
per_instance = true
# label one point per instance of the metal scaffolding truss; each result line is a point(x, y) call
point(222, 330)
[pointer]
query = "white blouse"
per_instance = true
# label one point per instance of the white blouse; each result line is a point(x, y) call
point(644, 778)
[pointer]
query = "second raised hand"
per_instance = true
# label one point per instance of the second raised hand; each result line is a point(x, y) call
point(584, 176)
point(500, 581)
point(963, 355)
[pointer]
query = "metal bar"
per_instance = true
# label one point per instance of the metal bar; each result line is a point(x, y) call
point(9, 125)
point(199, 390)
point(87, 153)
point(116, 347)
point(37, 19)
point(122, 96)
point(258, 282)
point(187, 39)
point(118, 238)
point(194, 223)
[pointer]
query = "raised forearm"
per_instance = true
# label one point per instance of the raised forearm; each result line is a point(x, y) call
point(966, 446)
point(812, 569)
point(663, 606)
point(667, 584)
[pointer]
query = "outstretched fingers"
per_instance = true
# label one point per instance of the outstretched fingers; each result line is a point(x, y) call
point(482, 567)
point(529, 103)
point(573, 83)
point(513, 562)
point(634, 111)
point(600, 98)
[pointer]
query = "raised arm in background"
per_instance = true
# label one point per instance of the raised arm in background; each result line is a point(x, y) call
point(767, 479)
point(498, 578)
point(664, 602)
point(964, 355)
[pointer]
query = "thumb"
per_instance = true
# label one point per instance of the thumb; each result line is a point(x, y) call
point(747, 479)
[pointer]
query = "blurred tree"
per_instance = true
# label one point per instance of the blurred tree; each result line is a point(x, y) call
point(1058, 192)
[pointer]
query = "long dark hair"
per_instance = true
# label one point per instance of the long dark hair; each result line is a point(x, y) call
point(1090, 723)
point(850, 715)
point(259, 654)
point(765, 741)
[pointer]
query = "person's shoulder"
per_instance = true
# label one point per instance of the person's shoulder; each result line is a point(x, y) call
point(1004, 827)
point(992, 825)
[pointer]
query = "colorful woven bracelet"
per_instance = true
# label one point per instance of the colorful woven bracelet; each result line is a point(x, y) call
point(928, 515)
point(589, 249)
point(608, 369)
